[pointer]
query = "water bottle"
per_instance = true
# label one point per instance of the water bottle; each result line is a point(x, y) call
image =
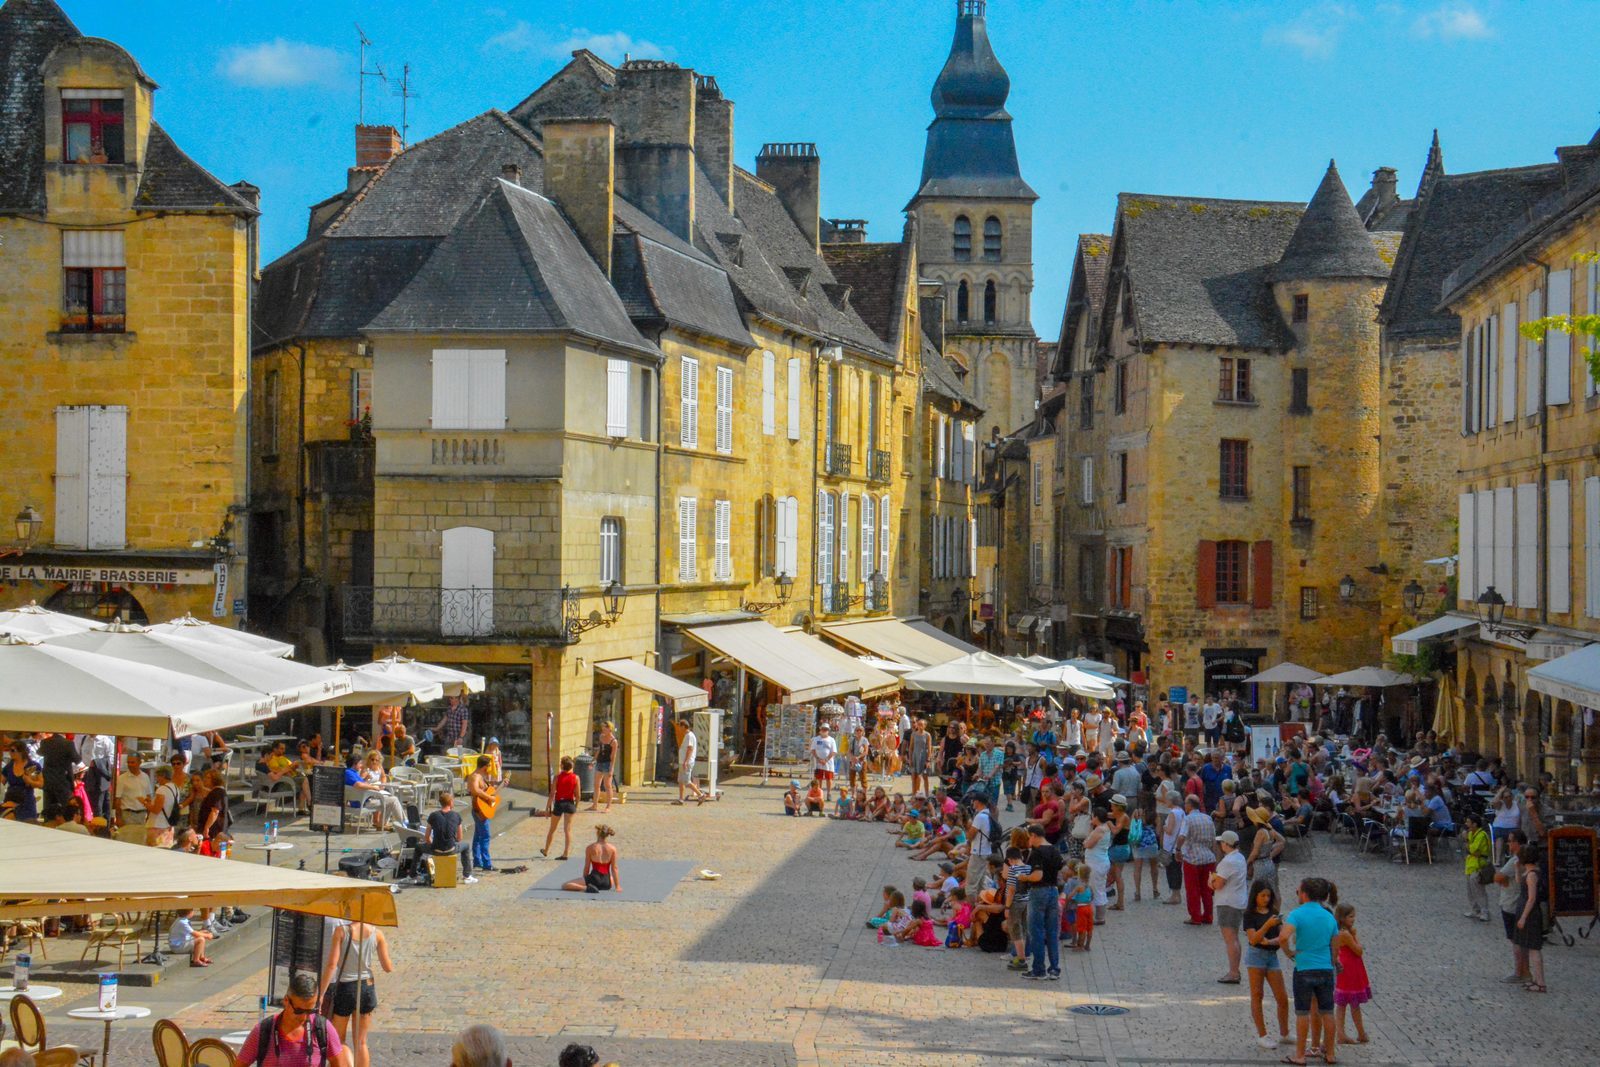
point(19, 971)
point(108, 992)
point(266, 832)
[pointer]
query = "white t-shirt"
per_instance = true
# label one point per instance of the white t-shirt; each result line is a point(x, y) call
point(132, 788)
point(168, 795)
point(1191, 716)
point(823, 749)
point(1234, 892)
point(982, 830)
point(1072, 733)
point(1213, 715)
point(687, 748)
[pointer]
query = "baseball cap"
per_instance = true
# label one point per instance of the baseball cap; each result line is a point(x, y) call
point(946, 866)
point(1228, 837)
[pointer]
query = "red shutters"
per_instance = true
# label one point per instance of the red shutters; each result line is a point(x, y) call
point(1206, 578)
point(1261, 574)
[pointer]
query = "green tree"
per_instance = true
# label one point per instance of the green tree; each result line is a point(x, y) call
point(1577, 325)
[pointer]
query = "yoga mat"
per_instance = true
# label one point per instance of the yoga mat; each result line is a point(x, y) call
point(643, 881)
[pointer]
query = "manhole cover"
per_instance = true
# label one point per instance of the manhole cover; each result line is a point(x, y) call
point(1098, 1009)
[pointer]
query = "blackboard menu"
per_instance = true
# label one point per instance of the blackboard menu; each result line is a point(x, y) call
point(297, 941)
point(790, 728)
point(327, 798)
point(1572, 871)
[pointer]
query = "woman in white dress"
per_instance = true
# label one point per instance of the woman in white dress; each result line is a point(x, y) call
point(1108, 733)
point(1091, 729)
point(1072, 731)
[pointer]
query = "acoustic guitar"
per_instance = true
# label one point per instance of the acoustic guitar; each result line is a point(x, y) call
point(486, 803)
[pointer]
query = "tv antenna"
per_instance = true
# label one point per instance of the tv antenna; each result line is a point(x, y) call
point(363, 74)
point(406, 94)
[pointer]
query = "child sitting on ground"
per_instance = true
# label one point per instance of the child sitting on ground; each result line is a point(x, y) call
point(911, 834)
point(878, 806)
point(1082, 899)
point(889, 893)
point(791, 798)
point(919, 891)
point(920, 931)
point(897, 809)
point(843, 806)
point(959, 925)
point(814, 798)
point(183, 937)
point(897, 922)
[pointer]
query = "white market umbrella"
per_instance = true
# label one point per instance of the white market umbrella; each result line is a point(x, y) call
point(978, 673)
point(887, 666)
point(456, 683)
point(373, 688)
point(289, 684)
point(1090, 665)
point(1374, 677)
point(224, 637)
point(1075, 681)
point(32, 621)
point(1285, 673)
point(68, 690)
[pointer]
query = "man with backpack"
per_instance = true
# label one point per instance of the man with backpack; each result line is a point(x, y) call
point(297, 1036)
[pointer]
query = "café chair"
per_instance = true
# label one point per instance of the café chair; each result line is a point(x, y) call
point(209, 1052)
point(28, 1024)
point(110, 931)
point(172, 1047)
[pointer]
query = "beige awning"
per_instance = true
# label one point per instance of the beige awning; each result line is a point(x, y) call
point(53, 872)
point(897, 640)
point(1443, 628)
point(684, 697)
point(791, 665)
point(873, 682)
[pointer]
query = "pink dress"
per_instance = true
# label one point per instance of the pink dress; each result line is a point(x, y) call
point(925, 935)
point(1351, 986)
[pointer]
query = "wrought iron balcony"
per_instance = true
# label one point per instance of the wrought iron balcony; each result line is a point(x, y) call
point(835, 598)
point(877, 595)
point(396, 614)
point(341, 469)
point(878, 465)
point(836, 459)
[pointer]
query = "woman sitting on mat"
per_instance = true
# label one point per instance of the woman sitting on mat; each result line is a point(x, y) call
point(600, 868)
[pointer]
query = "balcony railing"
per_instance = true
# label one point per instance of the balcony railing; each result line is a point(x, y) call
point(836, 459)
point(387, 613)
point(878, 465)
point(835, 598)
point(467, 452)
point(341, 469)
point(877, 596)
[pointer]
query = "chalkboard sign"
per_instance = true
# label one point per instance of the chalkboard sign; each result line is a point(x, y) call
point(1572, 869)
point(327, 798)
point(296, 946)
point(790, 728)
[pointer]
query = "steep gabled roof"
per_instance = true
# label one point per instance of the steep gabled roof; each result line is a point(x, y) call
point(329, 288)
point(174, 182)
point(940, 379)
point(1330, 241)
point(1086, 295)
point(661, 278)
point(512, 265)
point(877, 274)
point(1200, 270)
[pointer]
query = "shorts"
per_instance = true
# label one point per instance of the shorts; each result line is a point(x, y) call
point(1313, 986)
point(602, 768)
point(1018, 914)
point(1257, 958)
point(564, 807)
point(686, 774)
point(1510, 919)
point(595, 882)
point(344, 998)
point(1146, 852)
point(1083, 918)
point(1229, 918)
point(823, 776)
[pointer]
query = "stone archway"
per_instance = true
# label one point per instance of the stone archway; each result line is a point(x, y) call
point(1489, 708)
point(1472, 732)
point(1532, 728)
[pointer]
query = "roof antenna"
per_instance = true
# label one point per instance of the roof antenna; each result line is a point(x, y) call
point(406, 94)
point(363, 74)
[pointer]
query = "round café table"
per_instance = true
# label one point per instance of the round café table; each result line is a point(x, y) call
point(33, 992)
point(117, 1014)
point(268, 847)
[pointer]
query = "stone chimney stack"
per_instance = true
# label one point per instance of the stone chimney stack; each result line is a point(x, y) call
point(795, 170)
point(713, 135)
point(580, 175)
point(511, 172)
point(654, 112)
point(1385, 185)
point(844, 231)
point(376, 145)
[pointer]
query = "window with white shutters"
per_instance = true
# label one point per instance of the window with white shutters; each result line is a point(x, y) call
point(1038, 483)
point(1527, 549)
point(972, 548)
point(1532, 382)
point(610, 550)
point(722, 540)
point(942, 433)
point(1468, 396)
point(844, 539)
point(1560, 555)
point(1558, 349)
point(1504, 542)
point(469, 389)
point(936, 538)
point(1491, 355)
point(1466, 573)
point(793, 400)
point(1591, 546)
point(724, 410)
point(91, 477)
point(466, 582)
point(616, 398)
point(869, 535)
point(1483, 525)
point(824, 538)
point(786, 558)
point(1510, 343)
point(969, 439)
point(1086, 481)
point(689, 403)
point(769, 393)
point(688, 558)
point(883, 535)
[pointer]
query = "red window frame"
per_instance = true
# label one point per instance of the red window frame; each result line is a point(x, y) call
point(1233, 557)
point(98, 120)
point(94, 300)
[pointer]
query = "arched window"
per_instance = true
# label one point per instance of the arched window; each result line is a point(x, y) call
point(991, 239)
point(963, 239)
point(990, 301)
point(963, 303)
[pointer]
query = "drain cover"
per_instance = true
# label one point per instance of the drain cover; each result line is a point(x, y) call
point(1098, 1009)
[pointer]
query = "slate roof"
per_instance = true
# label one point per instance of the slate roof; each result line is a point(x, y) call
point(512, 265)
point(1086, 295)
point(940, 378)
point(1458, 215)
point(1200, 269)
point(29, 31)
point(673, 284)
point(327, 288)
point(1330, 241)
point(424, 190)
point(876, 273)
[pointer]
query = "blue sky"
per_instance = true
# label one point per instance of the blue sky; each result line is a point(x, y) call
point(1204, 99)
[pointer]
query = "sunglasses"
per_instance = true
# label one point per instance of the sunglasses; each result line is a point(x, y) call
point(290, 1005)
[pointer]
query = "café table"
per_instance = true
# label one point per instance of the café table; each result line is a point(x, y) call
point(117, 1014)
point(33, 992)
point(269, 847)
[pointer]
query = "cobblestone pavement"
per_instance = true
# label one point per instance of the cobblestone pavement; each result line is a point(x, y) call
point(772, 964)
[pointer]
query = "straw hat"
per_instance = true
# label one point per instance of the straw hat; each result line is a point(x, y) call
point(1260, 816)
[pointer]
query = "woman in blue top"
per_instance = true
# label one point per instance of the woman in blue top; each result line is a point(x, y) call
point(1307, 939)
point(22, 777)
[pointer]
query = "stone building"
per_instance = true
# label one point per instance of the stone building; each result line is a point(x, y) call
point(975, 228)
point(1528, 507)
point(125, 303)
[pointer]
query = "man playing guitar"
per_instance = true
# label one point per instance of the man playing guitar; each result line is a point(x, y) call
point(485, 790)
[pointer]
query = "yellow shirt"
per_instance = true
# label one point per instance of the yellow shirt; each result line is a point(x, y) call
point(279, 764)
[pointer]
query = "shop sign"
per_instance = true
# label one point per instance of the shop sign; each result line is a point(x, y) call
point(48, 572)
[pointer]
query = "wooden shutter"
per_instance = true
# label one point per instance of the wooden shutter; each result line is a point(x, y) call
point(844, 538)
point(824, 537)
point(452, 387)
point(972, 548)
point(883, 535)
point(1466, 576)
point(794, 400)
point(1261, 575)
point(1533, 372)
point(792, 530)
point(466, 582)
point(1591, 546)
point(486, 384)
point(616, 398)
point(938, 460)
point(689, 404)
point(1558, 348)
point(1560, 554)
point(1505, 540)
point(1525, 540)
point(72, 477)
point(1206, 574)
point(722, 539)
point(1466, 382)
point(769, 393)
point(108, 477)
point(1491, 348)
point(1510, 343)
point(1127, 576)
point(688, 564)
point(724, 409)
point(869, 534)
point(1483, 526)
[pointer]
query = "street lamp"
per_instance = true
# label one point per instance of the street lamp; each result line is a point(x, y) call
point(1413, 595)
point(1347, 588)
point(612, 598)
point(1492, 613)
point(29, 522)
point(785, 586)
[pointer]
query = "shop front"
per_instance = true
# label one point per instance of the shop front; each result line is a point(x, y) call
point(1226, 670)
point(142, 589)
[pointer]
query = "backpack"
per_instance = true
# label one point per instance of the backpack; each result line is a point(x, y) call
point(266, 1036)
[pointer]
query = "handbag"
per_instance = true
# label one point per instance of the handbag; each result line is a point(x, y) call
point(1081, 826)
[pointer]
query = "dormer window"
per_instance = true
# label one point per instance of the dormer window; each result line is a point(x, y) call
point(91, 126)
point(963, 239)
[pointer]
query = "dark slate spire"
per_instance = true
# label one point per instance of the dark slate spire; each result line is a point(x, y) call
point(1329, 241)
point(970, 149)
point(1433, 169)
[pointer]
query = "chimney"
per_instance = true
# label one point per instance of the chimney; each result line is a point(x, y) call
point(795, 170)
point(713, 135)
point(376, 145)
point(1384, 185)
point(844, 231)
point(511, 172)
point(580, 175)
point(654, 111)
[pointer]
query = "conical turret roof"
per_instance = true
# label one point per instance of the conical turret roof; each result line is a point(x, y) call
point(1330, 241)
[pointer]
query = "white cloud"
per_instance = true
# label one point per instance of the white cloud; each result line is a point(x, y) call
point(281, 64)
point(1315, 34)
point(611, 47)
point(1453, 22)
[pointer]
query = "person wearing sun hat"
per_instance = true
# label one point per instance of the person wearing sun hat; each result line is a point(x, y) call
point(1230, 889)
point(1266, 844)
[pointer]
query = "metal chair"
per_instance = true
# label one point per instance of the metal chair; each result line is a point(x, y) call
point(210, 1052)
point(112, 931)
point(29, 930)
point(1412, 835)
point(369, 805)
point(172, 1047)
point(28, 1024)
point(427, 787)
